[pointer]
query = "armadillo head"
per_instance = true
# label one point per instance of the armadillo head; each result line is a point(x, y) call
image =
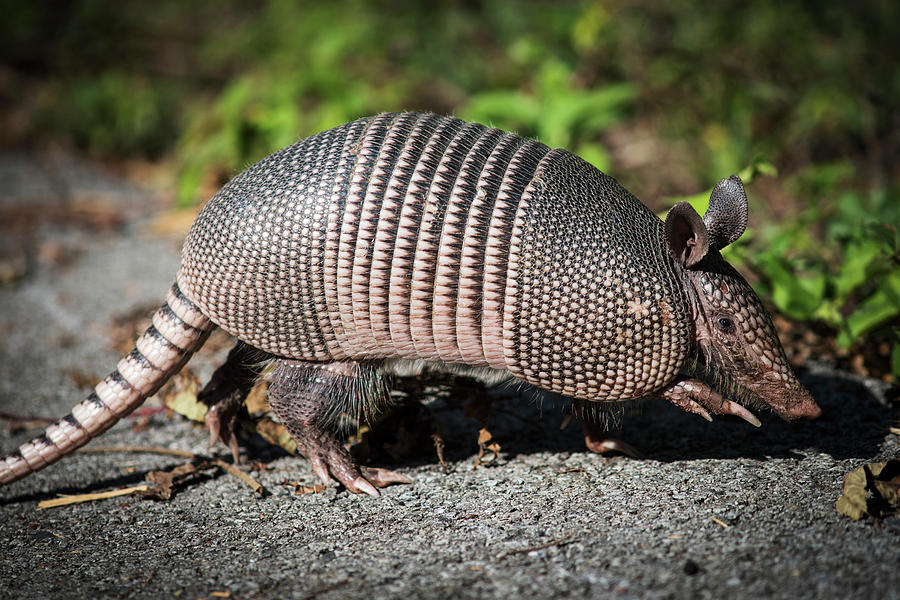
point(736, 343)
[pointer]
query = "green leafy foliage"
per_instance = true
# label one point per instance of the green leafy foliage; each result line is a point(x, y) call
point(93, 113)
point(847, 276)
point(556, 112)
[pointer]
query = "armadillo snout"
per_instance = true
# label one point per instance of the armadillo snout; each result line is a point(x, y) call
point(804, 408)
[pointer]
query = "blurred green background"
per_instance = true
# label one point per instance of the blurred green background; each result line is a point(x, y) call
point(801, 98)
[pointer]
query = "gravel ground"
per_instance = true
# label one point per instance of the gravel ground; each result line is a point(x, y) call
point(719, 510)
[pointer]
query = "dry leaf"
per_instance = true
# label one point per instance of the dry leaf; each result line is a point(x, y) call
point(303, 490)
point(872, 489)
point(163, 482)
point(94, 210)
point(256, 399)
point(127, 326)
point(276, 434)
point(185, 402)
point(484, 436)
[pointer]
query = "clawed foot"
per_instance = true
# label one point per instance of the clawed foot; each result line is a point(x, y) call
point(596, 441)
point(221, 421)
point(696, 397)
point(225, 393)
point(330, 460)
point(225, 398)
point(303, 395)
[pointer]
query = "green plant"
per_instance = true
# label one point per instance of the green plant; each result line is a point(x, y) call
point(113, 114)
point(837, 263)
point(556, 112)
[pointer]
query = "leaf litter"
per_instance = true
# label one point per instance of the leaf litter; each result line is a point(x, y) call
point(871, 490)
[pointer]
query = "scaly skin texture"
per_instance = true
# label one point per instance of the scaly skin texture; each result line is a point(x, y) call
point(415, 236)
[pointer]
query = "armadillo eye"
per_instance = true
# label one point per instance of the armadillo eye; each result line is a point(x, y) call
point(725, 324)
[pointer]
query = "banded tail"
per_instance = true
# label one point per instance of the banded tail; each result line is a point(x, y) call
point(179, 329)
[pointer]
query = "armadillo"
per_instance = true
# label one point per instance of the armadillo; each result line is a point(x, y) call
point(418, 237)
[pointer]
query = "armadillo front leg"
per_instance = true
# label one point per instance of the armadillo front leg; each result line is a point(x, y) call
point(303, 396)
point(226, 391)
point(694, 396)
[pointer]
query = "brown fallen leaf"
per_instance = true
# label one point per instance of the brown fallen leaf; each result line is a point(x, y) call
point(276, 434)
point(53, 253)
point(140, 424)
point(871, 490)
point(125, 327)
point(303, 490)
point(13, 263)
point(95, 210)
point(200, 461)
point(162, 483)
point(83, 380)
point(256, 399)
point(484, 436)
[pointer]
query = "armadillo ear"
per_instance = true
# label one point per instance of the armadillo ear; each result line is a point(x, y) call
point(687, 235)
point(726, 217)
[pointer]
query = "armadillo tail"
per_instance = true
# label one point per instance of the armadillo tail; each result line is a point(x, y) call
point(178, 330)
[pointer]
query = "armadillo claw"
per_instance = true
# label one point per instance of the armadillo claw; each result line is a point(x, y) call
point(694, 396)
point(330, 461)
point(372, 478)
point(692, 406)
point(596, 441)
point(221, 422)
point(733, 408)
point(361, 485)
point(383, 477)
point(225, 393)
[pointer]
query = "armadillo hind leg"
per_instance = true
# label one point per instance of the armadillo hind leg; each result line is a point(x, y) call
point(307, 398)
point(226, 391)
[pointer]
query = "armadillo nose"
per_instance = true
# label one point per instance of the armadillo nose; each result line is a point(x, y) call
point(809, 410)
point(806, 408)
